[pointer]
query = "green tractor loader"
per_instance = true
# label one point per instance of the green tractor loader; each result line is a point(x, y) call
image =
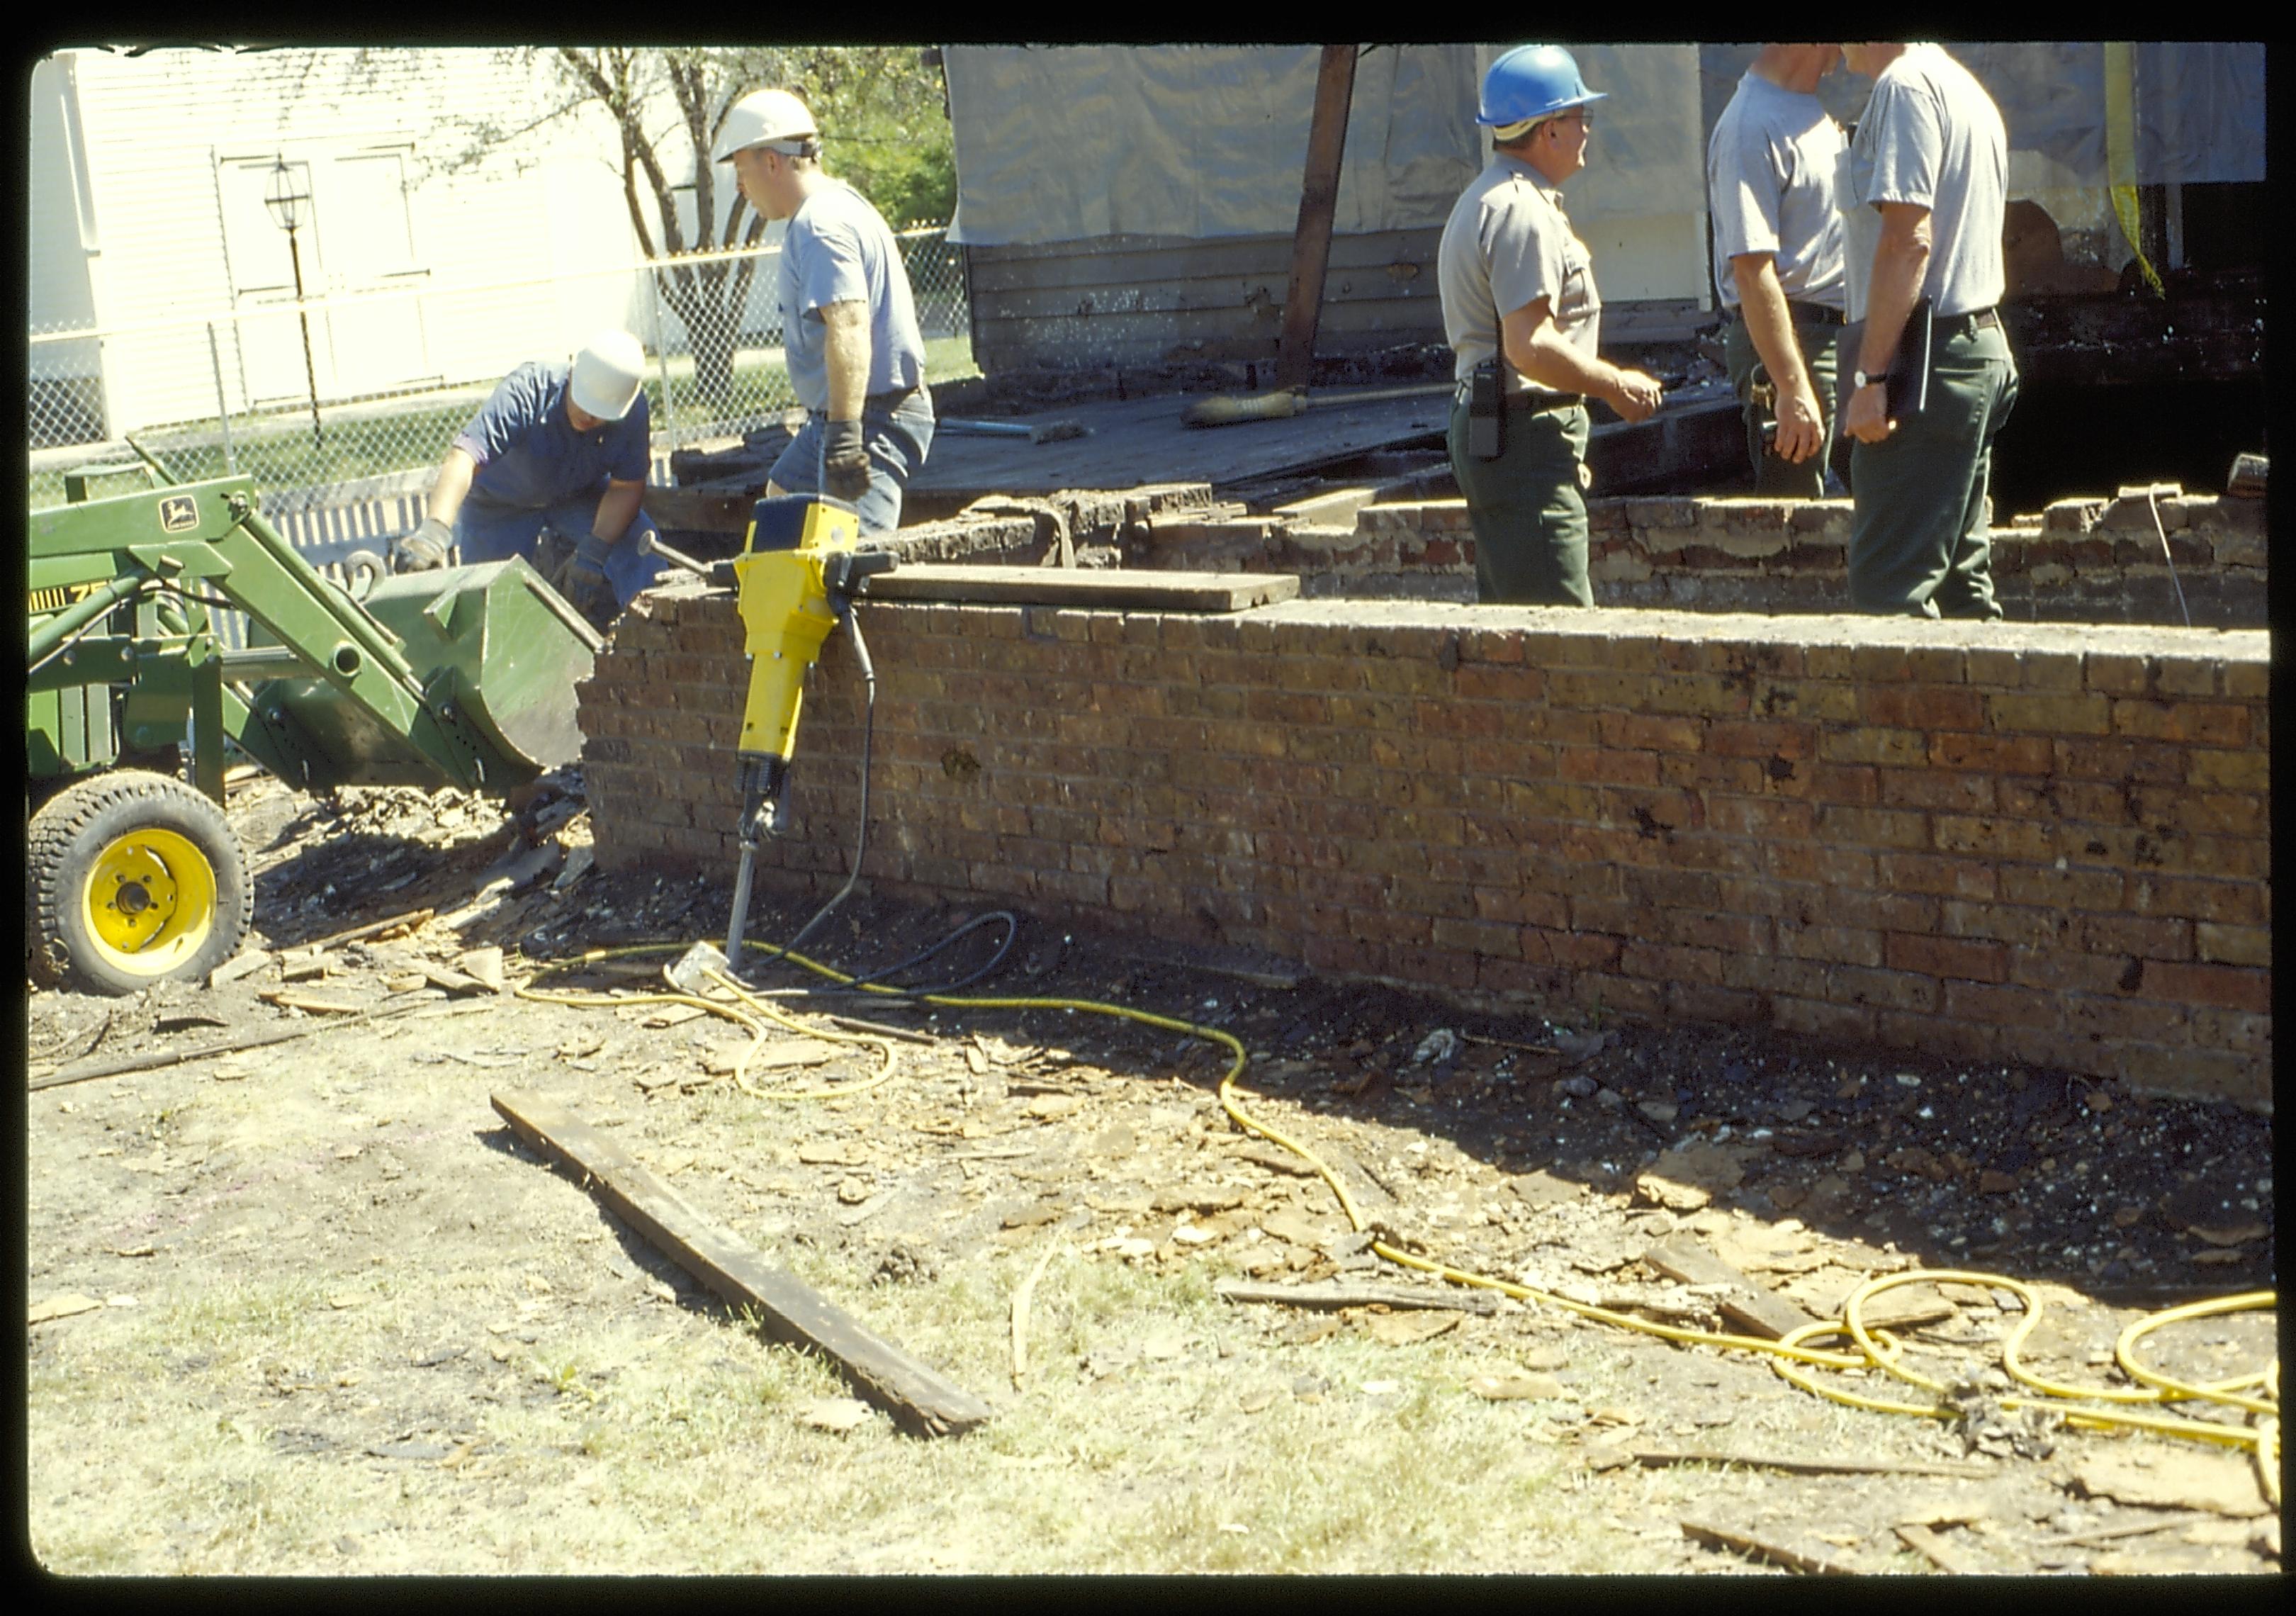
point(462, 677)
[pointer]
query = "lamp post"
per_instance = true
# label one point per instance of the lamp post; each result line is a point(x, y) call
point(285, 201)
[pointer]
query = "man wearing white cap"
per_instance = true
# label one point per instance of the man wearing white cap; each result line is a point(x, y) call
point(563, 447)
point(856, 360)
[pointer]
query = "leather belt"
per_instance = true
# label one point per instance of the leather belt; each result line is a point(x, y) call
point(1531, 404)
point(1980, 319)
point(1813, 313)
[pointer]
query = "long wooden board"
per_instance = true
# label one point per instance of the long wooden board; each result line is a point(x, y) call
point(1108, 589)
point(1329, 1294)
point(919, 1399)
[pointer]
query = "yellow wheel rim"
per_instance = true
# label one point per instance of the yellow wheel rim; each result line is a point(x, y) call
point(149, 902)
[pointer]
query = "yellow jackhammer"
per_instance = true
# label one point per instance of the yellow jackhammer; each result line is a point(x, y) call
point(795, 579)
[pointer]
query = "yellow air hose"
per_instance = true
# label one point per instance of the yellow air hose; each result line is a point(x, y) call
point(1876, 1350)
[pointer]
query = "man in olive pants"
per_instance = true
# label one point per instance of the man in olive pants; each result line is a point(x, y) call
point(1922, 202)
point(1771, 165)
point(1520, 307)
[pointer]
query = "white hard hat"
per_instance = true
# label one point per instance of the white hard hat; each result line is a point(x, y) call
point(763, 118)
point(606, 375)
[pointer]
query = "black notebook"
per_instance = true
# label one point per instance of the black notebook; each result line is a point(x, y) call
point(1908, 388)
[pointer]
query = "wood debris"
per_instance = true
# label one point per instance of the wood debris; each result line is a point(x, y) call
point(1330, 1294)
point(1776, 1553)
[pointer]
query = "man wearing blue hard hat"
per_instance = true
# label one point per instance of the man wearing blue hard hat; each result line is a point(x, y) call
point(1523, 319)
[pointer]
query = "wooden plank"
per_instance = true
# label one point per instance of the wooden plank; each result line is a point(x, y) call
point(1776, 1553)
point(1746, 1305)
point(1658, 1459)
point(1140, 441)
point(373, 928)
point(148, 1063)
point(1337, 1293)
point(1936, 1550)
point(1110, 590)
point(918, 1398)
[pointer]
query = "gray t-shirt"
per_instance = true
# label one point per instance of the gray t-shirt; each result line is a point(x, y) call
point(1930, 136)
point(1506, 245)
point(838, 250)
point(1769, 185)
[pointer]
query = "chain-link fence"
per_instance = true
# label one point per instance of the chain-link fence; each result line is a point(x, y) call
point(327, 400)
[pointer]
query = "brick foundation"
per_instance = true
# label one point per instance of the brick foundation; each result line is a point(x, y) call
point(1985, 841)
point(2080, 561)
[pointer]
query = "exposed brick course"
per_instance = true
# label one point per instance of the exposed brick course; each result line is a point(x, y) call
point(2080, 560)
point(1973, 840)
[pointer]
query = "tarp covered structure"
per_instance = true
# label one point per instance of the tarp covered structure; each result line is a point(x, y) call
point(1069, 142)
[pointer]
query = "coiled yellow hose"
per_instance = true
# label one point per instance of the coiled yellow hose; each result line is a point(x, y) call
point(1876, 1350)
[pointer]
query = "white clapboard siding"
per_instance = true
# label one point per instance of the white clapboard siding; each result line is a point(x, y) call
point(172, 134)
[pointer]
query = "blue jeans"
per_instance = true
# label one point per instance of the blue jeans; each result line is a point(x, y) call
point(493, 533)
point(897, 441)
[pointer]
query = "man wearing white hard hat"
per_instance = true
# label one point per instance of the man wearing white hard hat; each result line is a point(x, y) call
point(1524, 318)
point(856, 360)
point(563, 447)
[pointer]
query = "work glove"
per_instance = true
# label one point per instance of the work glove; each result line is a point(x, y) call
point(845, 460)
point(583, 582)
point(425, 550)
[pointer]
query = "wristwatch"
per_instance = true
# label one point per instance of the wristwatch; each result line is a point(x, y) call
point(1862, 379)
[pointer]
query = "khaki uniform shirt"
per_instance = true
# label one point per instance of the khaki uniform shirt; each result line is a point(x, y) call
point(1508, 244)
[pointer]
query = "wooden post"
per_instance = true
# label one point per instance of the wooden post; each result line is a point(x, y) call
point(1311, 242)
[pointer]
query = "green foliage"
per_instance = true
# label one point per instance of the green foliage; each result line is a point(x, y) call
point(884, 125)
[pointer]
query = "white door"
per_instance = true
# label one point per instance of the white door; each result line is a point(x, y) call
point(377, 343)
point(269, 345)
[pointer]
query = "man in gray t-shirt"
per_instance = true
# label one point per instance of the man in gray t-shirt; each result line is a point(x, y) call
point(1777, 261)
point(1519, 308)
point(1923, 193)
point(856, 359)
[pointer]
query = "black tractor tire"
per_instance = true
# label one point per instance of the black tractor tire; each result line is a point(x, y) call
point(132, 878)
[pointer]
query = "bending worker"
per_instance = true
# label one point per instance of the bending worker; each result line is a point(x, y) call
point(1922, 204)
point(857, 361)
point(1778, 261)
point(560, 446)
point(1522, 317)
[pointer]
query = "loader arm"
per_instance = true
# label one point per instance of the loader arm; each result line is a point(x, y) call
point(108, 557)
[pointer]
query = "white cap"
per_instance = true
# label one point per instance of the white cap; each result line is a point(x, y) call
point(764, 118)
point(607, 373)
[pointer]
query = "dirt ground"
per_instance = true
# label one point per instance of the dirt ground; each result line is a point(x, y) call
point(312, 1307)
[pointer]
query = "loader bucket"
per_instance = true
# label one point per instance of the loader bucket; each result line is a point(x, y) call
point(494, 641)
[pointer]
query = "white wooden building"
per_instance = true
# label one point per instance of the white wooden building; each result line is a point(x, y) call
point(148, 174)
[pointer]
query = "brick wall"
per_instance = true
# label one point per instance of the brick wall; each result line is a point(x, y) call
point(1988, 841)
point(2090, 560)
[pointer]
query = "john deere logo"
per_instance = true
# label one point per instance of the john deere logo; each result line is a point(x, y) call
point(178, 512)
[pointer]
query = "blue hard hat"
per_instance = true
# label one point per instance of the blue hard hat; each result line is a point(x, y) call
point(1531, 81)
